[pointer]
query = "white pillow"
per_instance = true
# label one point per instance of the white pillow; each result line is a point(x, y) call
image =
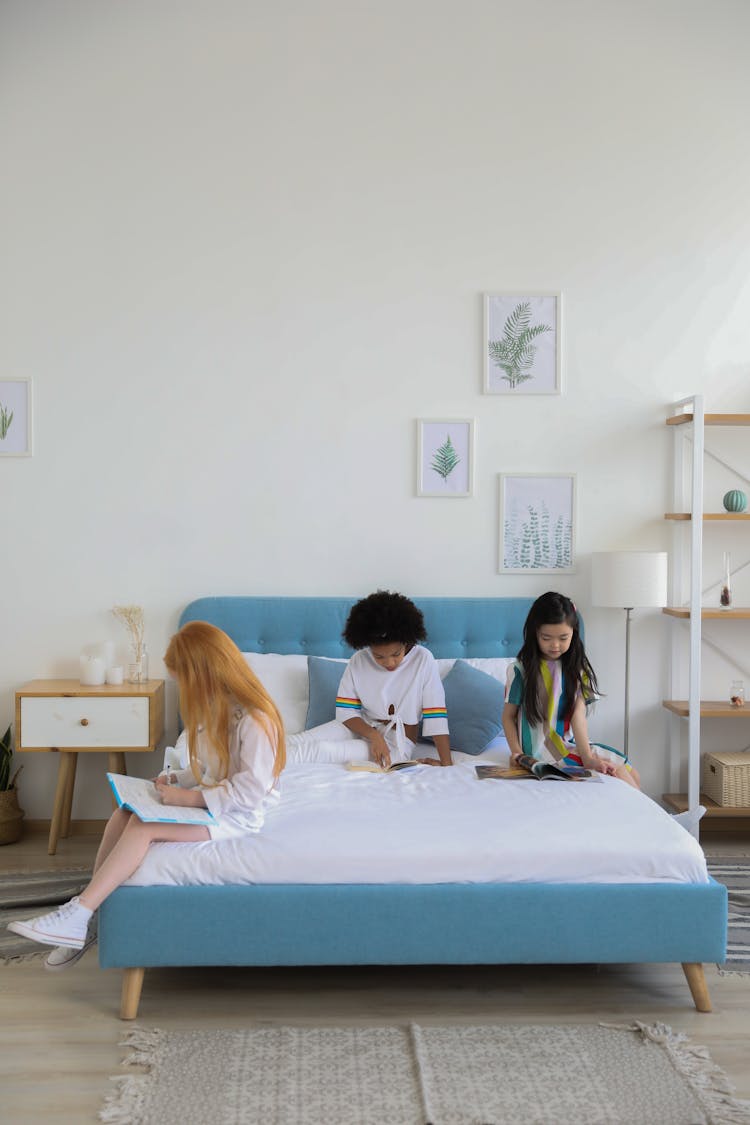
point(495, 666)
point(285, 679)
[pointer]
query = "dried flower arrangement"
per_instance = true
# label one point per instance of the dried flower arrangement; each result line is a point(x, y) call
point(132, 618)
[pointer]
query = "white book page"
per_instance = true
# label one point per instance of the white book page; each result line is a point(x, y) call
point(141, 797)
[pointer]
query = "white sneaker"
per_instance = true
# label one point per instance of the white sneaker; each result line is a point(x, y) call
point(63, 956)
point(65, 926)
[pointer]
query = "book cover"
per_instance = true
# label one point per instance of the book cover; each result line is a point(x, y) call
point(373, 767)
point(140, 796)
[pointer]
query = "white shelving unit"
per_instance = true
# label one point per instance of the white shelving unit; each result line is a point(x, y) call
point(689, 422)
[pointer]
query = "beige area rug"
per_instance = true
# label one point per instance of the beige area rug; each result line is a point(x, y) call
point(411, 1075)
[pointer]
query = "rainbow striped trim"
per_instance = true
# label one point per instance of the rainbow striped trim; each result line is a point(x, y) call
point(434, 713)
point(348, 704)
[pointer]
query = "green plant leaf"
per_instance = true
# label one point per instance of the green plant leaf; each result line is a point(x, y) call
point(445, 459)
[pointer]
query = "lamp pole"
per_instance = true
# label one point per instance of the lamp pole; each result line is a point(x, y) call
point(628, 611)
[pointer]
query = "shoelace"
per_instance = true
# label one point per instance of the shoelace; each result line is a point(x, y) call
point(67, 908)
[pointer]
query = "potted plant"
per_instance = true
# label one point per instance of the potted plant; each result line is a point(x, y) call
point(11, 814)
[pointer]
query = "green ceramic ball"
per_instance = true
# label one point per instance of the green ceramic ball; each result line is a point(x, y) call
point(735, 500)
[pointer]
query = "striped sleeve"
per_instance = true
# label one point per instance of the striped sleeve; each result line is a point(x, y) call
point(434, 713)
point(348, 703)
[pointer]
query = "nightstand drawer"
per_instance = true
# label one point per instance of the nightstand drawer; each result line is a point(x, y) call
point(84, 722)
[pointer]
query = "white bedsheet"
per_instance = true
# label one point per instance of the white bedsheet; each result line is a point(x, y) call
point(427, 825)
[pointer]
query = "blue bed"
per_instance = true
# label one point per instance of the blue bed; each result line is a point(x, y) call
point(143, 927)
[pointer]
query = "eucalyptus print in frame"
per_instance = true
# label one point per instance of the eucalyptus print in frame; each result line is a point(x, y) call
point(537, 518)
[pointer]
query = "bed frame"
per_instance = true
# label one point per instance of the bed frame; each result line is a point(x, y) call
point(257, 925)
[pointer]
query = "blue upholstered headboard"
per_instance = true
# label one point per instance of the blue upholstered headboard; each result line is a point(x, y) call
point(468, 627)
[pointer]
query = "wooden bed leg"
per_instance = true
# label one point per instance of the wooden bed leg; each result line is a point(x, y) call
point(697, 983)
point(132, 982)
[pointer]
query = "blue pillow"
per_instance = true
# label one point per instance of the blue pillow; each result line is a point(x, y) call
point(324, 677)
point(474, 702)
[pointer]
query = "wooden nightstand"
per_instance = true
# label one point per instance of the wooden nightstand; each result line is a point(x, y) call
point(69, 718)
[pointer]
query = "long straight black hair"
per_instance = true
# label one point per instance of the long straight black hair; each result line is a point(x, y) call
point(554, 609)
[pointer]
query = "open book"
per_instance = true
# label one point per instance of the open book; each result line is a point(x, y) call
point(528, 767)
point(142, 798)
point(373, 767)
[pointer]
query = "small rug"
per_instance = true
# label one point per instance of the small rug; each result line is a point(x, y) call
point(22, 896)
point(734, 873)
point(411, 1075)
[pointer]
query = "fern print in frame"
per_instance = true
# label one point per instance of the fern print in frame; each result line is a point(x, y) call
point(15, 417)
point(522, 343)
point(537, 523)
point(445, 457)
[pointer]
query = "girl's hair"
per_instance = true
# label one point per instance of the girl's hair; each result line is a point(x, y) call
point(384, 618)
point(554, 609)
point(213, 677)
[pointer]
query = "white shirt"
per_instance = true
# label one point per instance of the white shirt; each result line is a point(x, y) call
point(410, 694)
point(240, 799)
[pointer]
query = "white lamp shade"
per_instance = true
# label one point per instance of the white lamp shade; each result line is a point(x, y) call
point(629, 579)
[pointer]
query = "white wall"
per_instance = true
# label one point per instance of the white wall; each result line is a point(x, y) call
point(245, 245)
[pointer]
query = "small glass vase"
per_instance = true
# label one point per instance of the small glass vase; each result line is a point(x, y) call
point(725, 595)
point(138, 666)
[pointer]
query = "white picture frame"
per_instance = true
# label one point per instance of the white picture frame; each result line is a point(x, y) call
point(537, 518)
point(522, 343)
point(445, 457)
point(15, 418)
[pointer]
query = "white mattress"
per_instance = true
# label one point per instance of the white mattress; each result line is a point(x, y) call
point(427, 825)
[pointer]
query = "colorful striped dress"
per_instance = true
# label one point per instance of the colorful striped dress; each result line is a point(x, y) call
point(410, 694)
point(553, 741)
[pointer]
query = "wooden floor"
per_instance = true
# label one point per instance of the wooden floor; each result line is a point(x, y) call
point(60, 1032)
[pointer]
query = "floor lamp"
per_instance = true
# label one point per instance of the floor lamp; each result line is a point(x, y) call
point(628, 580)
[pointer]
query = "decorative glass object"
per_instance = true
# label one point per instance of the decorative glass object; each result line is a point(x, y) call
point(737, 693)
point(138, 666)
point(131, 617)
point(725, 597)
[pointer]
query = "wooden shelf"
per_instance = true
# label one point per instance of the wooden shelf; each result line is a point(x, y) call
point(678, 802)
point(711, 419)
point(710, 709)
point(708, 612)
point(723, 516)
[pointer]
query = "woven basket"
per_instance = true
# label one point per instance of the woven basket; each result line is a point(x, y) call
point(11, 815)
point(726, 778)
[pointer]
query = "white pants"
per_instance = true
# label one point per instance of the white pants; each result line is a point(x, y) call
point(333, 742)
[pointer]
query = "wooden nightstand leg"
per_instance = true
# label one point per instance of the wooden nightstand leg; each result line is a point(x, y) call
point(67, 765)
point(116, 765)
point(68, 807)
point(117, 761)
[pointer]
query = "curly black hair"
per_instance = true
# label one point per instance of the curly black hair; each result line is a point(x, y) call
point(383, 618)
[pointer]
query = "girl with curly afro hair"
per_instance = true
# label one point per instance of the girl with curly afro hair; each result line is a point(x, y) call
point(391, 684)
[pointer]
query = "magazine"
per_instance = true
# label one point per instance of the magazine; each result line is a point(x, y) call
point(529, 768)
point(142, 798)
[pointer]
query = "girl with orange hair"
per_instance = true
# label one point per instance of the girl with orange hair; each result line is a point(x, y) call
point(234, 739)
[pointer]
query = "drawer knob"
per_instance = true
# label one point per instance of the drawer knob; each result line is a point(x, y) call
point(84, 722)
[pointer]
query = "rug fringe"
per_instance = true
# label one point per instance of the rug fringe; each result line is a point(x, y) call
point(18, 958)
point(124, 1105)
point(711, 1086)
